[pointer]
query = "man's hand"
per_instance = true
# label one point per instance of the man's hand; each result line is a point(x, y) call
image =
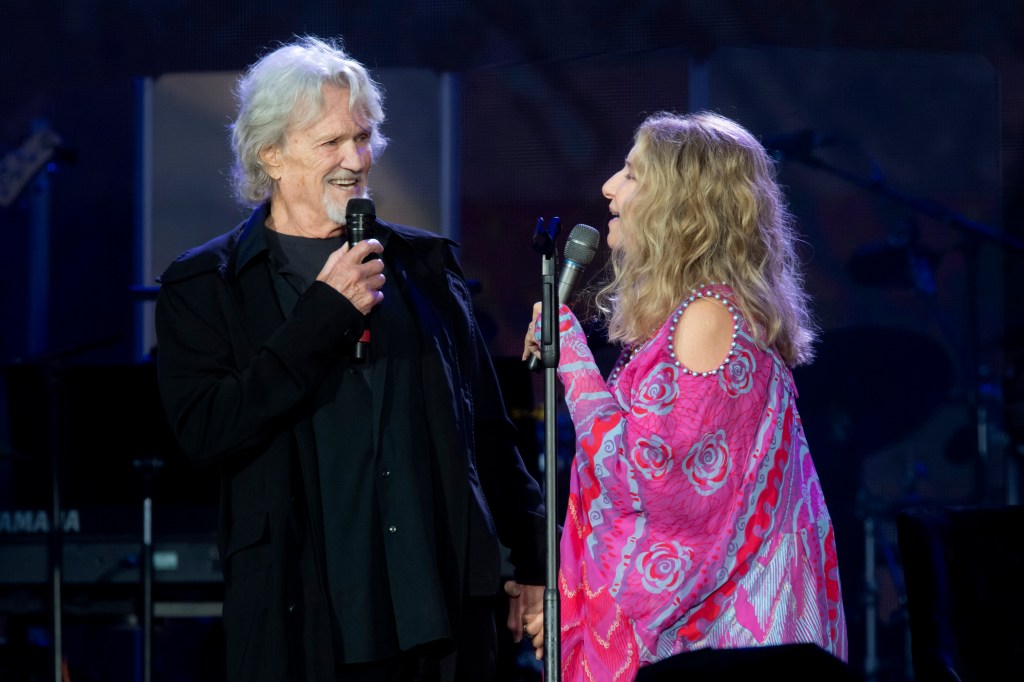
point(526, 614)
point(357, 281)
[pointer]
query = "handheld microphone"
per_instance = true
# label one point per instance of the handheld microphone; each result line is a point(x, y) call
point(360, 219)
point(580, 248)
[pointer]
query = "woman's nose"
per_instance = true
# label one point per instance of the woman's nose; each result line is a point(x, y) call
point(607, 188)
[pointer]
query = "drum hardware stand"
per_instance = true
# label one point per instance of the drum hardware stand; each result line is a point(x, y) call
point(870, 596)
point(148, 468)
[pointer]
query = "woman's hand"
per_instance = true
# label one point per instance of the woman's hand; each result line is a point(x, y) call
point(531, 345)
point(534, 629)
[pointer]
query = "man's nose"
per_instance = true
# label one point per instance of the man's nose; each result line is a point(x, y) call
point(351, 158)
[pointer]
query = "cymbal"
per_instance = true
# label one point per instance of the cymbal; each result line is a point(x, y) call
point(871, 386)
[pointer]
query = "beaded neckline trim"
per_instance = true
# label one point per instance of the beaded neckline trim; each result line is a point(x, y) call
point(703, 291)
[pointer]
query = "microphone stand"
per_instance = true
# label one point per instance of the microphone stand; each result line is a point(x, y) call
point(544, 243)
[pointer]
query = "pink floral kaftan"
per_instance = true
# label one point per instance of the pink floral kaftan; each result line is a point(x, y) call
point(695, 516)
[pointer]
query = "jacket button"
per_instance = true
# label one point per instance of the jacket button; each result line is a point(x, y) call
point(392, 529)
point(386, 473)
point(292, 607)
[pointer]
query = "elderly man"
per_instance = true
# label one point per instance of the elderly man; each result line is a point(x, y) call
point(364, 503)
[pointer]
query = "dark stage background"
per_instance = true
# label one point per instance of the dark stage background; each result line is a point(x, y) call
point(898, 126)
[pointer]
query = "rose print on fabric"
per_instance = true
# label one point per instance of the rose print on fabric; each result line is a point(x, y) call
point(657, 392)
point(664, 566)
point(737, 377)
point(576, 347)
point(707, 463)
point(652, 457)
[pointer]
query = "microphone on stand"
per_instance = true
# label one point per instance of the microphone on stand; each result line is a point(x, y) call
point(360, 219)
point(580, 248)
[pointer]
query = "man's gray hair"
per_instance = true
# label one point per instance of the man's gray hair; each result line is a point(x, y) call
point(285, 88)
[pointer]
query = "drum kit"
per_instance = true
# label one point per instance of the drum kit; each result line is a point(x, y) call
point(869, 388)
point(874, 388)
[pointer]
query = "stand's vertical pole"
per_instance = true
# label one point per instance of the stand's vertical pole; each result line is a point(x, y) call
point(870, 601)
point(549, 354)
point(147, 468)
point(147, 582)
point(544, 244)
point(56, 553)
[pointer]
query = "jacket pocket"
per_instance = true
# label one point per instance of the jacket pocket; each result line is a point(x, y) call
point(248, 548)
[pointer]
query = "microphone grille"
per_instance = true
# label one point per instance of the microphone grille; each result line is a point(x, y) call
point(360, 206)
point(582, 243)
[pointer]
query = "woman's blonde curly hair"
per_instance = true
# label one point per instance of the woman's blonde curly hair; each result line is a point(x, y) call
point(707, 207)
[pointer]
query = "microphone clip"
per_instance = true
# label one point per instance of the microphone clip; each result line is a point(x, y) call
point(544, 236)
point(544, 243)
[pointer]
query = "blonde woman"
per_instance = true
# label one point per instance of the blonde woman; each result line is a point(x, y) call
point(695, 516)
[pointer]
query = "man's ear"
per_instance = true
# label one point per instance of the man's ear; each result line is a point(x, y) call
point(270, 156)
